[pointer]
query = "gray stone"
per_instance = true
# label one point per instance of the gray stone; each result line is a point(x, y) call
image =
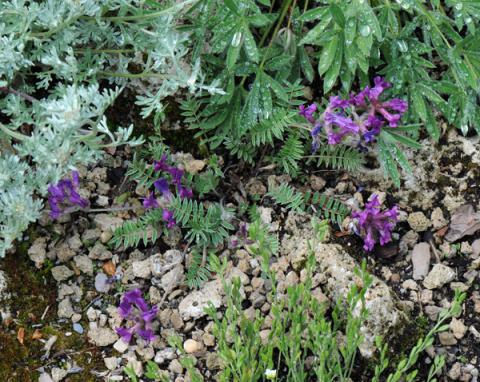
point(439, 276)
point(385, 311)
point(173, 278)
point(99, 252)
point(38, 251)
point(161, 263)
point(447, 339)
point(421, 260)
point(106, 222)
point(164, 355)
point(194, 304)
point(102, 336)
point(458, 328)
point(58, 374)
point(84, 264)
point(121, 346)
point(418, 221)
point(101, 284)
point(437, 218)
point(78, 328)
point(141, 269)
point(111, 363)
point(65, 309)
point(476, 249)
point(63, 252)
point(45, 377)
point(61, 273)
point(74, 243)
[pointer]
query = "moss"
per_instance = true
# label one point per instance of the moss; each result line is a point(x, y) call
point(32, 291)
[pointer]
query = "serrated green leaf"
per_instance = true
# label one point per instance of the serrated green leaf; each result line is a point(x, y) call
point(313, 35)
point(332, 74)
point(305, 64)
point(250, 45)
point(328, 55)
point(418, 104)
point(337, 14)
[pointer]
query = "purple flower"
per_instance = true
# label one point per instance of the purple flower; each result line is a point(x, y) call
point(184, 192)
point(378, 89)
point(177, 175)
point(336, 102)
point(315, 136)
point(168, 218)
point(345, 126)
point(161, 165)
point(64, 194)
point(150, 201)
point(362, 115)
point(375, 225)
point(162, 185)
point(307, 112)
point(133, 308)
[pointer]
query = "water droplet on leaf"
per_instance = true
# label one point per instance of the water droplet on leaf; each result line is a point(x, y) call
point(365, 30)
point(237, 38)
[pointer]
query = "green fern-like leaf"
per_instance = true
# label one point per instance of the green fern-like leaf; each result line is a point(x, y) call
point(290, 154)
point(327, 207)
point(287, 196)
point(144, 229)
point(338, 157)
point(197, 274)
point(267, 130)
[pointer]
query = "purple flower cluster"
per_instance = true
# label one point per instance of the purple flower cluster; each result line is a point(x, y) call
point(374, 224)
point(133, 308)
point(363, 115)
point(65, 194)
point(164, 186)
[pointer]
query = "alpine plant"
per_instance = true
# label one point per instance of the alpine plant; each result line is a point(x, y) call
point(375, 225)
point(138, 314)
point(171, 179)
point(363, 115)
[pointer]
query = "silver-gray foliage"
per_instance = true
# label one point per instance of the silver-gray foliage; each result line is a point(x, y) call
point(52, 56)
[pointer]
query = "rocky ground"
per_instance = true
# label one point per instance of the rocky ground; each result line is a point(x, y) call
point(61, 288)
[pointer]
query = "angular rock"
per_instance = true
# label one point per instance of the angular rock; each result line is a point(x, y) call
point(102, 336)
point(61, 273)
point(173, 278)
point(385, 314)
point(465, 221)
point(99, 252)
point(476, 249)
point(418, 221)
point(84, 263)
point(439, 276)
point(458, 328)
point(437, 218)
point(421, 260)
point(106, 222)
point(141, 269)
point(101, 283)
point(65, 309)
point(38, 251)
point(447, 339)
point(194, 304)
point(161, 263)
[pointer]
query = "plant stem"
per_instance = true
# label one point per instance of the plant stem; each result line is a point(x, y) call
point(14, 134)
point(144, 16)
point(18, 93)
point(286, 5)
point(131, 75)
